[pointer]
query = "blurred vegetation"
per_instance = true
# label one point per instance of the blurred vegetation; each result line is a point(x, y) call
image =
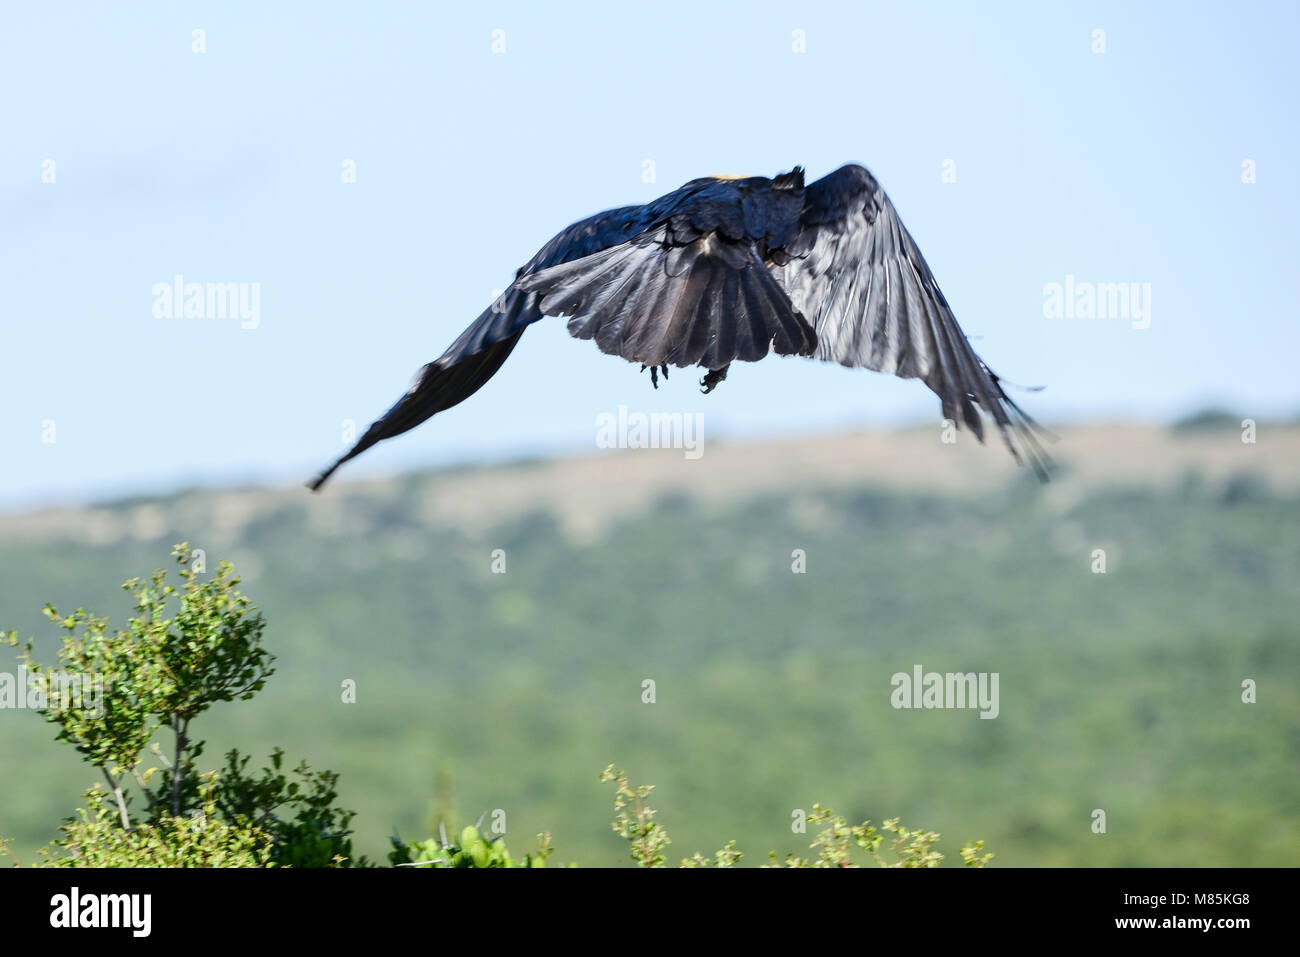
point(163, 672)
point(1207, 420)
point(1120, 691)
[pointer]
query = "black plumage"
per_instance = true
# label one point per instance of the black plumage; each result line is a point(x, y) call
point(726, 269)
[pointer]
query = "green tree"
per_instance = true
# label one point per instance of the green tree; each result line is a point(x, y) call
point(186, 649)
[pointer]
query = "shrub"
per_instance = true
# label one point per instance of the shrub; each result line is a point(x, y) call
point(186, 649)
point(634, 821)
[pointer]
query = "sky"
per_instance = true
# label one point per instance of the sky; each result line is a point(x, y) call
point(377, 171)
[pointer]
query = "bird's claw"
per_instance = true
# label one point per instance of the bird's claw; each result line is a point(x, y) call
point(710, 381)
point(654, 373)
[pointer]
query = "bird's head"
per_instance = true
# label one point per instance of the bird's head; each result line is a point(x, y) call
point(791, 180)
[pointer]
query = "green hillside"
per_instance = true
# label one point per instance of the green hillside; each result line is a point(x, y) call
point(1120, 691)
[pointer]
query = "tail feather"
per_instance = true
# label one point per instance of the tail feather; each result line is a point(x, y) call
point(709, 302)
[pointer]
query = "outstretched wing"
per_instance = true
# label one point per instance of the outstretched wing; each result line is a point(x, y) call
point(480, 350)
point(859, 277)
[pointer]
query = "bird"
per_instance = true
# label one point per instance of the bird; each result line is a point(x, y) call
point(727, 269)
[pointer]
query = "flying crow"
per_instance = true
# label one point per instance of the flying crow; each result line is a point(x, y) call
point(726, 269)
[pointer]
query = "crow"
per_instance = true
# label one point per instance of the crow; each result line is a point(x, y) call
point(729, 268)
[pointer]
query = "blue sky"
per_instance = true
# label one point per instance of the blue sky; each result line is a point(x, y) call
point(225, 166)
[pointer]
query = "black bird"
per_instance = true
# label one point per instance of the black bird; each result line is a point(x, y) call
point(724, 269)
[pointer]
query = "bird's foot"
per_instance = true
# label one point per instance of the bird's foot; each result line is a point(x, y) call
point(654, 373)
point(710, 381)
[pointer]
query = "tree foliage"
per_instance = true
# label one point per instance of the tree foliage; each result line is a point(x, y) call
point(186, 649)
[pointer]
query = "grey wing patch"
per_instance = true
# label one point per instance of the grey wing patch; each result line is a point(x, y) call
point(706, 302)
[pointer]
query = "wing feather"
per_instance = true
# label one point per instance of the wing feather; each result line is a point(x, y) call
point(857, 274)
point(677, 302)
